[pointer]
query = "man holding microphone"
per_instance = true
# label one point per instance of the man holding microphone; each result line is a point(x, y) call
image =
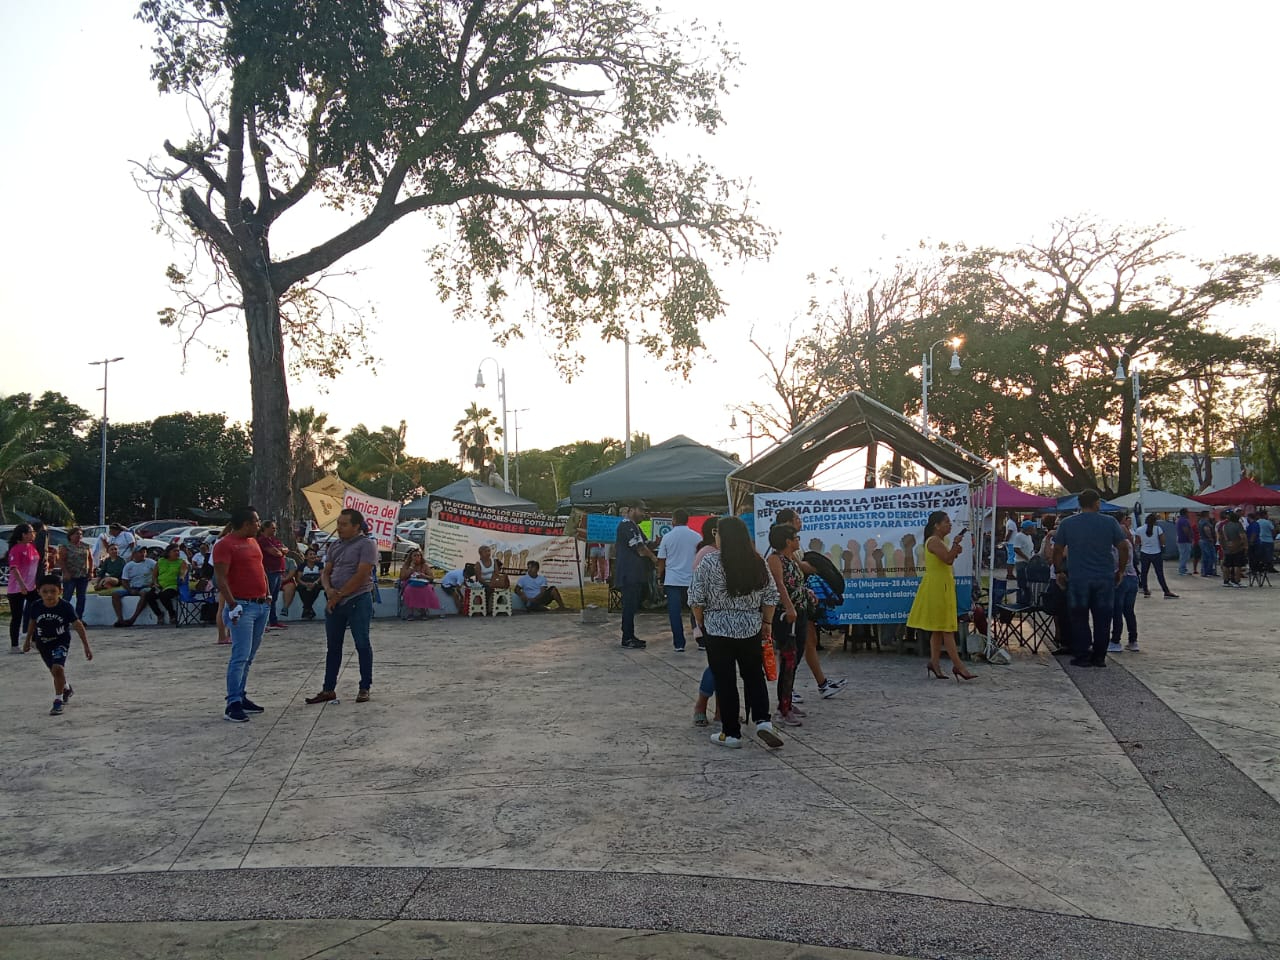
point(242, 584)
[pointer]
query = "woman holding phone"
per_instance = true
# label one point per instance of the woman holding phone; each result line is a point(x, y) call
point(934, 608)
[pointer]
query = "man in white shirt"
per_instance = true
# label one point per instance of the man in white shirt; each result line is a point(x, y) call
point(138, 579)
point(535, 591)
point(116, 534)
point(1022, 547)
point(675, 570)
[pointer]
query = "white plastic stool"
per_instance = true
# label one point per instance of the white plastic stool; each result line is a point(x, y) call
point(501, 602)
point(475, 601)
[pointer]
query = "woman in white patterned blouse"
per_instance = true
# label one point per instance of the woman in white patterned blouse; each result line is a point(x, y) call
point(733, 597)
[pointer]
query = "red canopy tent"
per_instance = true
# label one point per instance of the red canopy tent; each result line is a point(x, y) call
point(1011, 498)
point(1243, 492)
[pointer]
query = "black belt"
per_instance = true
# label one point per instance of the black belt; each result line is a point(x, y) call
point(256, 600)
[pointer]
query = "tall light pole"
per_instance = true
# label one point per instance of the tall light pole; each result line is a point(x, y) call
point(626, 379)
point(926, 376)
point(516, 415)
point(751, 433)
point(502, 395)
point(1137, 425)
point(102, 475)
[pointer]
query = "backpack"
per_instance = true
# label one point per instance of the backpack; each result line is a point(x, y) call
point(825, 570)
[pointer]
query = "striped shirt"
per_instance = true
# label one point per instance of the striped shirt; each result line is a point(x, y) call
point(723, 615)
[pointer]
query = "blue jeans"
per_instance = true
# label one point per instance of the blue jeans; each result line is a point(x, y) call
point(677, 600)
point(630, 604)
point(246, 637)
point(1184, 557)
point(76, 586)
point(1208, 558)
point(356, 613)
point(1123, 613)
point(1088, 599)
point(273, 588)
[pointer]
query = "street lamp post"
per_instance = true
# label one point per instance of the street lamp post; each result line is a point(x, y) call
point(502, 395)
point(102, 475)
point(751, 433)
point(626, 390)
point(926, 376)
point(1137, 425)
point(516, 419)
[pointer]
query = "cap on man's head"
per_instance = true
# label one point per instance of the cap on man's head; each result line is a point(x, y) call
point(139, 548)
point(1028, 525)
point(116, 526)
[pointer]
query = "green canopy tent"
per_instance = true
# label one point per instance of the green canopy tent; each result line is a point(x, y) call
point(678, 472)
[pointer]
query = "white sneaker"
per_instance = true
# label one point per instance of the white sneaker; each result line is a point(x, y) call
point(1133, 646)
point(721, 740)
point(830, 689)
point(1114, 648)
point(767, 735)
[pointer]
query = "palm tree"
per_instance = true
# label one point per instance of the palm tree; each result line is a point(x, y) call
point(375, 457)
point(471, 434)
point(22, 457)
point(313, 451)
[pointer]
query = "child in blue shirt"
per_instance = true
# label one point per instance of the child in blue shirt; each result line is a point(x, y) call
point(51, 622)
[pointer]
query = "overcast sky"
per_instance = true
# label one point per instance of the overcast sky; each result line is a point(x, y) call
point(863, 128)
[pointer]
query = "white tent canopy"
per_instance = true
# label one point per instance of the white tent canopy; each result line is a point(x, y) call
point(1157, 500)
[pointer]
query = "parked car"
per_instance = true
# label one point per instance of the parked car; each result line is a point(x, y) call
point(154, 528)
point(385, 557)
point(57, 538)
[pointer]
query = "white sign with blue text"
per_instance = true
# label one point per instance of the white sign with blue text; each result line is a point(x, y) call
point(876, 539)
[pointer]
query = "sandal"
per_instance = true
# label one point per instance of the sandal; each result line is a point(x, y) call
point(700, 720)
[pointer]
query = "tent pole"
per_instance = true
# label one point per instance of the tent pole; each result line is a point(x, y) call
point(991, 579)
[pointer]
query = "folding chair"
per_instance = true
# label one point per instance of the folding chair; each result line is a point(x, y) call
point(615, 595)
point(1258, 572)
point(191, 604)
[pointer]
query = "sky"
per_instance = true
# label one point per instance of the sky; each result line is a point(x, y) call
point(863, 129)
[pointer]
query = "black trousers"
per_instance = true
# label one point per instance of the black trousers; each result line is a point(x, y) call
point(727, 657)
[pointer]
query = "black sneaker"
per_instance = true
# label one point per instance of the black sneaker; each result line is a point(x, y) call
point(248, 706)
point(1081, 662)
point(57, 709)
point(634, 644)
point(235, 713)
point(66, 694)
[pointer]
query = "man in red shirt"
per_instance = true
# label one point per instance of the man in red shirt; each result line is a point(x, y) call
point(273, 561)
point(242, 584)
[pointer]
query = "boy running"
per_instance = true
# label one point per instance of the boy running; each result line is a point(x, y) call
point(51, 623)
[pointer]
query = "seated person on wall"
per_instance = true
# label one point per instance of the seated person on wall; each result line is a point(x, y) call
point(536, 592)
point(138, 579)
point(309, 585)
point(109, 570)
point(288, 582)
point(452, 582)
point(489, 571)
point(200, 569)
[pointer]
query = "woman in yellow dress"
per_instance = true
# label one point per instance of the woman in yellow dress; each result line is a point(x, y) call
point(934, 608)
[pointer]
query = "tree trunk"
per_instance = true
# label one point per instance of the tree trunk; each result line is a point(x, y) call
point(269, 433)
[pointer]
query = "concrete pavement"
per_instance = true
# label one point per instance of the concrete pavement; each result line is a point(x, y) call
point(532, 772)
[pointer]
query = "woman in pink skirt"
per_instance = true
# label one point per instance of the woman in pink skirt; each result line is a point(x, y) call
point(417, 587)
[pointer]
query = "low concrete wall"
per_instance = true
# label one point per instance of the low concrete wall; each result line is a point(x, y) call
point(98, 611)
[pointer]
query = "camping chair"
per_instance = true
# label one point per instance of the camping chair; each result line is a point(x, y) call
point(615, 595)
point(1029, 623)
point(1258, 572)
point(191, 604)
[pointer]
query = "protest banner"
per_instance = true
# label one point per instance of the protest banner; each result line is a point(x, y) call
point(456, 531)
point(875, 538)
point(380, 515)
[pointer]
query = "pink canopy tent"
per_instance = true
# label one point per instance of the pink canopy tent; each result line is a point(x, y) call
point(1243, 492)
point(1010, 497)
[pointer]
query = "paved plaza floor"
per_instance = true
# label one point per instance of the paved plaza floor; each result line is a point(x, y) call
point(527, 788)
